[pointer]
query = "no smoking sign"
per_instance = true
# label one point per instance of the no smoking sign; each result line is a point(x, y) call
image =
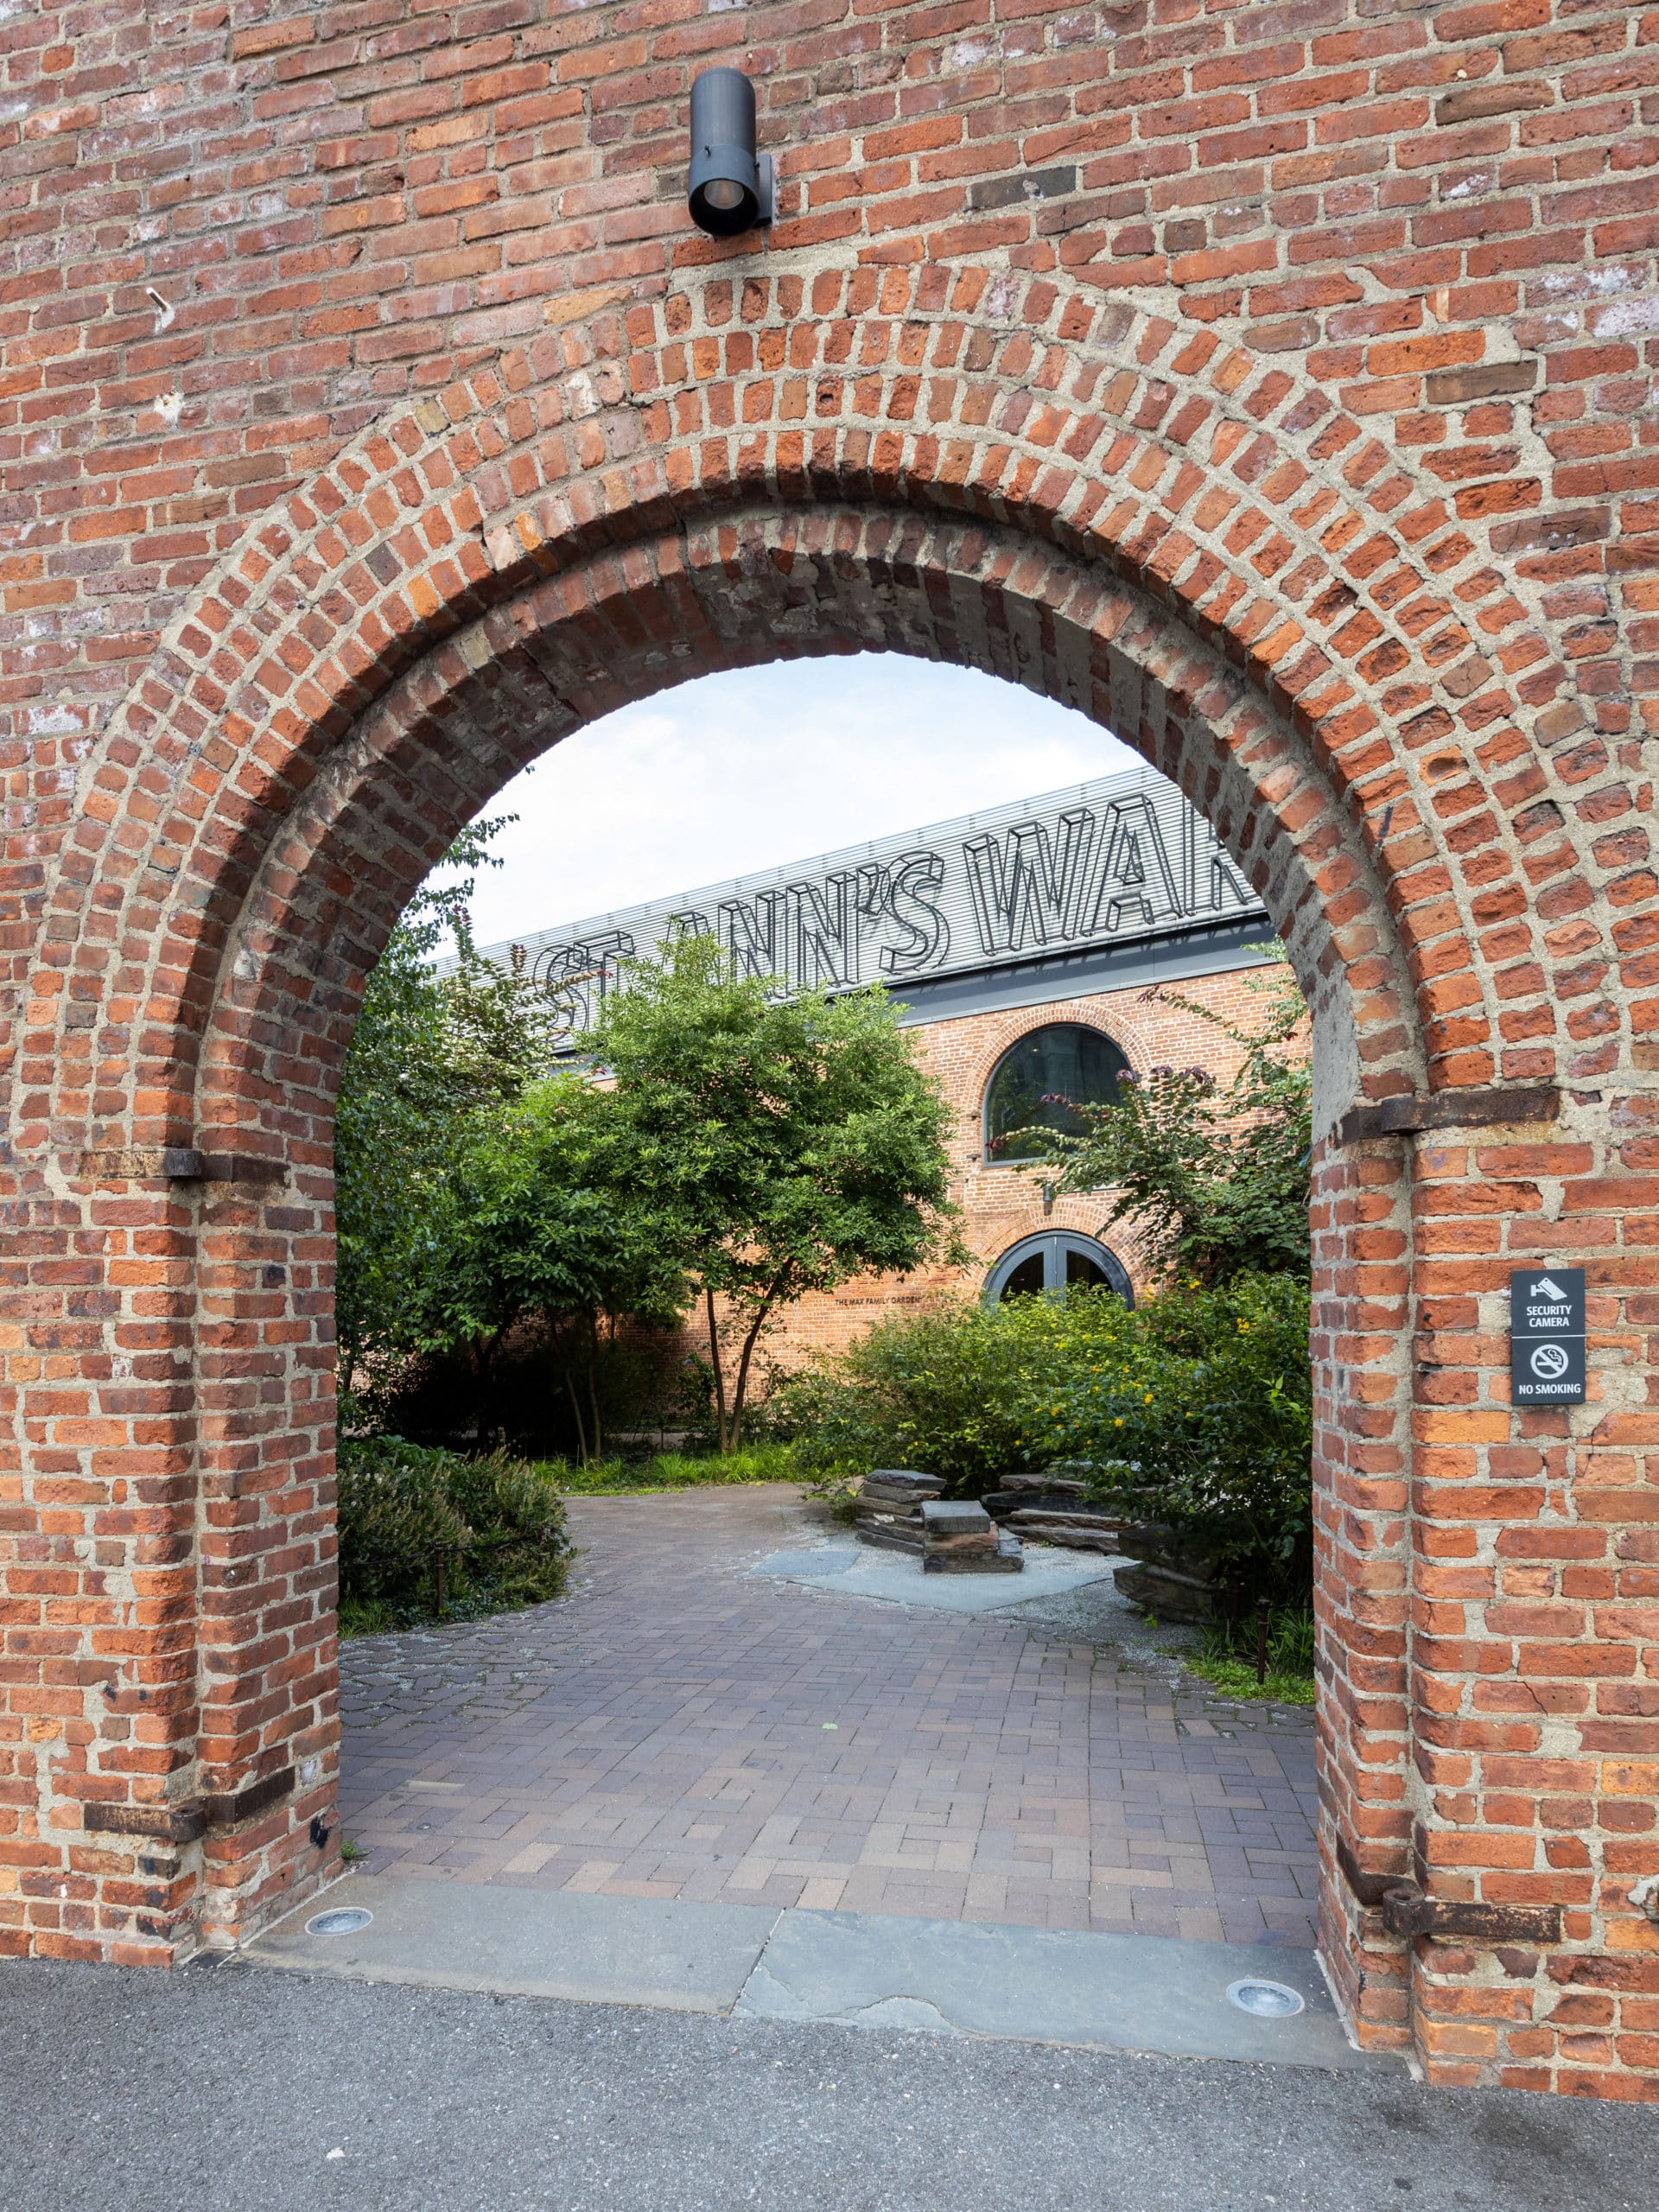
point(1547, 1336)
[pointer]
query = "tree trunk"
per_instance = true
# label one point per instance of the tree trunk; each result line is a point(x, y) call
point(719, 1377)
point(593, 1388)
point(749, 1343)
point(483, 1360)
point(576, 1412)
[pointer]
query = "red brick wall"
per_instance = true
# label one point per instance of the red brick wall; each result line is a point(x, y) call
point(1269, 381)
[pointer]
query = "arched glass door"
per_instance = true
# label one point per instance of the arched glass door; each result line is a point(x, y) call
point(1057, 1261)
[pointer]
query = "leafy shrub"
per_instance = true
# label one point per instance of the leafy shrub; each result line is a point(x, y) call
point(1197, 1401)
point(520, 1546)
point(1211, 1427)
point(396, 1515)
point(496, 1525)
point(949, 1389)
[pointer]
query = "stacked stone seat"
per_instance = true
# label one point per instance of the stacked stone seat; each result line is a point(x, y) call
point(890, 1507)
point(1053, 1510)
point(962, 1539)
point(1168, 1578)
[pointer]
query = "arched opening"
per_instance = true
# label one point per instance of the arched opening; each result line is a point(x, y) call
point(1040, 1084)
point(354, 694)
point(765, 584)
point(449, 733)
point(1053, 1262)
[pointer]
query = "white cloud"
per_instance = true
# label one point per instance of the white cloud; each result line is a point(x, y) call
point(755, 767)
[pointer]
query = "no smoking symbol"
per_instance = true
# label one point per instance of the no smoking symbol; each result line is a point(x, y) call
point(1547, 1337)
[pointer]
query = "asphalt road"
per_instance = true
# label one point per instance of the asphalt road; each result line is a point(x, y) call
point(228, 2087)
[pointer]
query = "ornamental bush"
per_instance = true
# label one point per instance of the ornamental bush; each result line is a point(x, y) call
point(490, 1532)
point(1210, 1429)
point(949, 1389)
point(1197, 1403)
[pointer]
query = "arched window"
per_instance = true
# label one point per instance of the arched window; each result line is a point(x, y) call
point(1039, 1083)
point(1058, 1260)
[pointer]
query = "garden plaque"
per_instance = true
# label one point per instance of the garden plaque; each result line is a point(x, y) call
point(1547, 1336)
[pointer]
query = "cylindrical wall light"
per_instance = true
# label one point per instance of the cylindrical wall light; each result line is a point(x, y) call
point(729, 188)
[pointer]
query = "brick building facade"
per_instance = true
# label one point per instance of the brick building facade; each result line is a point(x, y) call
point(1003, 1205)
point(1272, 382)
point(1100, 907)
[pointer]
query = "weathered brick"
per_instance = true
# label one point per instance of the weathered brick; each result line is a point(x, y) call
point(460, 397)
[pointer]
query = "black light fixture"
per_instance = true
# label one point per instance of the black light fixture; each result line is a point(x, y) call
point(729, 189)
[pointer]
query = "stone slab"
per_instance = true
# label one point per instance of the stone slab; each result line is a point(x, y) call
point(1171, 1595)
point(955, 1517)
point(1027, 1985)
point(895, 1538)
point(826, 1558)
point(1041, 1527)
point(900, 1481)
point(1042, 1985)
point(991, 1559)
point(524, 1943)
point(894, 1577)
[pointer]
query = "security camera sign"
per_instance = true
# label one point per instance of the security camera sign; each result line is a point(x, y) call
point(1547, 1336)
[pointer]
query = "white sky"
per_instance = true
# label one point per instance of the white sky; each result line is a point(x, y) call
point(757, 767)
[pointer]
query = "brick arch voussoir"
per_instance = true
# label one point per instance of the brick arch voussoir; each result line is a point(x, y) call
point(1269, 415)
point(757, 586)
point(1153, 453)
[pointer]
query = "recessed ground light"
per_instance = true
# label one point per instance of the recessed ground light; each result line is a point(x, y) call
point(1265, 2000)
point(342, 1920)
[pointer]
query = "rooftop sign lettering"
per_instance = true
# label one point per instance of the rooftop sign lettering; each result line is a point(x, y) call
point(1120, 858)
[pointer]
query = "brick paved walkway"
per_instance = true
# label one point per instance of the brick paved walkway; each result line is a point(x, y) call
point(675, 1726)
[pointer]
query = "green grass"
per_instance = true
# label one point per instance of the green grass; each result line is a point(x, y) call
point(1237, 1678)
point(758, 1463)
point(1226, 1659)
point(369, 1617)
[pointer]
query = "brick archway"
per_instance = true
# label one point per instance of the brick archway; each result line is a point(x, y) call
point(1199, 549)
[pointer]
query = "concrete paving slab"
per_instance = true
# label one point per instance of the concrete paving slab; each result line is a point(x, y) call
point(524, 1943)
point(1146, 1993)
point(808, 1566)
point(896, 1577)
point(1029, 1985)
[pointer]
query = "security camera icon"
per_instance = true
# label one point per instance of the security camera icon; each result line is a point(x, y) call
point(1549, 1362)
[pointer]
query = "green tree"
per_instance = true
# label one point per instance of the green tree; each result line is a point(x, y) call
point(540, 1227)
point(432, 1052)
point(1215, 1178)
point(788, 1143)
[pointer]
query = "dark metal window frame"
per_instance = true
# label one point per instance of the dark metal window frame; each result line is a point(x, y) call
point(1053, 1244)
point(987, 1155)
